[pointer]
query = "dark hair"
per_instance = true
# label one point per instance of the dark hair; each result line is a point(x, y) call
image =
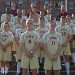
point(52, 17)
point(31, 12)
point(7, 23)
point(41, 18)
point(22, 19)
point(63, 17)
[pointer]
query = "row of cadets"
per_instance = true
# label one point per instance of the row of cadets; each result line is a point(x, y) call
point(6, 40)
point(29, 42)
point(73, 43)
point(18, 33)
point(71, 24)
point(66, 33)
point(52, 43)
point(41, 30)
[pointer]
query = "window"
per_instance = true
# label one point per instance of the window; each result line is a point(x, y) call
point(7, 2)
point(20, 3)
point(33, 1)
point(70, 5)
point(58, 2)
point(46, 1)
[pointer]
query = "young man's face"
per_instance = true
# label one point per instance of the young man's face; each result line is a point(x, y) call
point(52, 26)
point(31, 14)
point(6, 27)
point(68, 18)
point(63, 9)
point(23, 23)
point(63, 20)
point(41, 14)
point(34, 10)
point(13, 4)
point(19, 12)
point(30, 24)
point(23, 12)
point(52, 18)
point(42, 22)
point(48, 12)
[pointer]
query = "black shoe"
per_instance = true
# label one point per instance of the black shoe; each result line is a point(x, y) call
point(74, 64)
point(6, 74)
point(17, 73)
point(2, 74)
